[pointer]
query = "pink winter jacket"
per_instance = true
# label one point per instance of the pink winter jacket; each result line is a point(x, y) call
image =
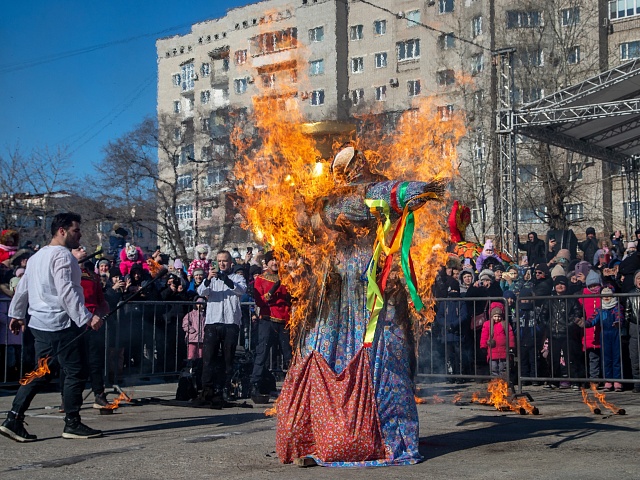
point(591, 337)
point(193, 325)
point(499, 352)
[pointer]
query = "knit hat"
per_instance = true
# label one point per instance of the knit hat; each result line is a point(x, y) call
point(543, 268)
point(198, 271)
point(104, 261)
point(636, 275)
point(177, 264)
point(509, 294)
point(488, 245)
point(498, 267)
point(557, 271)
point(496, 308)
point(591, 231)
point(235, 254)
point(19, 271)
point(114, 272)
point(593, 278)
point(606, 291)
point(486, 275)
point(631, 245)
point(561, 280)
point(201, 300)
point(526, 292)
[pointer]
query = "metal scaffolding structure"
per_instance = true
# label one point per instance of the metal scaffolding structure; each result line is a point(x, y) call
point(599, 117)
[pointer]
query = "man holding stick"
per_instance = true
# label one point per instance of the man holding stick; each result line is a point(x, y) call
point(51, 290)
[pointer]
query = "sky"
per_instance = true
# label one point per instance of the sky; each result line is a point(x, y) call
point(78, 73)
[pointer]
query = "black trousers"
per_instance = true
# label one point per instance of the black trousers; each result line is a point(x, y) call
point(268, 333)
point(218, 337)
point(93, 344)
point(71, 359)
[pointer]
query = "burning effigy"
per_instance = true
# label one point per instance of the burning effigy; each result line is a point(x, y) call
point(358, 256)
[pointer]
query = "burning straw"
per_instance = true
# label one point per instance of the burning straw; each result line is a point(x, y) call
point(601, 398)
point(498, 390)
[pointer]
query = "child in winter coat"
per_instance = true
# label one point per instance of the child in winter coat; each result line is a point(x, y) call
point(494, 339)
point(591, 339)
point(611, 318)
point(193, 325)
point(487, 252)
point(530, 334)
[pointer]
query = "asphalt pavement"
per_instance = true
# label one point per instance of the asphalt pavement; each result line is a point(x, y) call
point(157, 438)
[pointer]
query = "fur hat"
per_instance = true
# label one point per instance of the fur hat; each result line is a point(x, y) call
point(487, 275)
point(497, 308)
point(202, 248)
point(269, 256)
point(591, 231)
point(454, 262)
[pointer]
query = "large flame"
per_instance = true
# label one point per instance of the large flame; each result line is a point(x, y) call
point(603, 401)
point(498, 391)
point(592, 404)
point(41, 371)
point(283, 178)
point(123, 397)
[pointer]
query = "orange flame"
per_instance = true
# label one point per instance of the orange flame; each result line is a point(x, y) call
point(592, 404)
point(419, 400)
point(457, 398)
point(284, 178)
point(601, 398)
point(273, 411)
point(123, 397)
point(41, 371)
point(498, 390)
point(437, 400)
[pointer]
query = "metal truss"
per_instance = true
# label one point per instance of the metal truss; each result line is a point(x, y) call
point(632, 211)
point(588, 87)
point(581, 114)
point(508, 208)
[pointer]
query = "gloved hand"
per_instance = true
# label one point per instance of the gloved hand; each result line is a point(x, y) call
point(491, 343)
point(227, 281)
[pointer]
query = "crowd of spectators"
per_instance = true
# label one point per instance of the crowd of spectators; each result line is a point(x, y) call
point(563, 302)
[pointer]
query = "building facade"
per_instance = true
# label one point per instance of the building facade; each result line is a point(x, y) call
point(346, 58)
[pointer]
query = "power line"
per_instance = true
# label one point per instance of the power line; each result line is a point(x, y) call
point(428, 27)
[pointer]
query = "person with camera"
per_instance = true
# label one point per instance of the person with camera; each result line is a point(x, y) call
point(222, 288)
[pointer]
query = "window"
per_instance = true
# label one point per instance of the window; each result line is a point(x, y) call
point(477, 64)
point(204, 123)
point(478, 100)
point(268, 80)
point(622, 8)
point(381, 93)
point(532, 214)
point(478, 147)
point(225, 64)
point(446, 41)
point(190, 104)
point(357, 65)
point(205, 69)
point(381, 59)
point(445, 112)
point(205, 96)
point(177, 134)
point(573, 57)
point(187, 76)
point(520, 19)
point(570, 16)
point(413, 18)
point(317, 97)
point(185, 182)
point(205, 154)
point(528, 95)
point(476, 26)
point(176, 79)
point(356, 32)
point(240, 57)
point(316, 67)
point(380, 27)
point(177, 106)
point(408, 50)
point(531, 58)
point(630, 50)
point(215, 176)
point(575, 172)
point(445, 77)
point(631, 209)
point(184, 212)
point(240, 85)
point(527, 173)
point(445, 6)
point(413, 88)
point(316, 34)
point(574, 211)
point(357, 96)
point(276, 41)
point(206, 212)
point(187, 153)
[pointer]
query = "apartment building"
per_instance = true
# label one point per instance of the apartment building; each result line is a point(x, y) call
point(347, 57)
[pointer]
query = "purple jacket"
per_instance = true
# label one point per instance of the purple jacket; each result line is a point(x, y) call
point(193, 325)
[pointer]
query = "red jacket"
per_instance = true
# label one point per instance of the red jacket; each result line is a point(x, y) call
point(499, 352)
point(276, 306)
point(93, 295)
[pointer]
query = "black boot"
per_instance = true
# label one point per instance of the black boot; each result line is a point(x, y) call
point(74, 428)
point(13, 428)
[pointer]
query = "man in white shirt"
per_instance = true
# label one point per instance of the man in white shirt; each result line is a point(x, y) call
point(223, 290)
point(50, 289)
